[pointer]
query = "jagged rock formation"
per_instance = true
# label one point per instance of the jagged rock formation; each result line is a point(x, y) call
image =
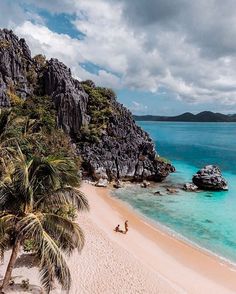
point(107, 138)
point(210, 178)
point(125, 151)
point(15, 61)
point(68, 94)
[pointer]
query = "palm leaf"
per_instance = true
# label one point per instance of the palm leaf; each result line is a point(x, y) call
point(4, 119)
point(47, 250)
point(67, 233)
point(65, 196)
point(47, 274)
point(7, 223)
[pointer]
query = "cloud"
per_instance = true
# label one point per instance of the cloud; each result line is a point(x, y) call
point(186, 47)
point(66, 49)
point(12, 14)
point(196, 45)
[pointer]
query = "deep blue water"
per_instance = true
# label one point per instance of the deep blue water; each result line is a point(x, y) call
point(206, 218)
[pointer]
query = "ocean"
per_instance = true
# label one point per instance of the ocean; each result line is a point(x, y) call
point(208, 219)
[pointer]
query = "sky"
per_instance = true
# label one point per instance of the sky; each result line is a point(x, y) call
point(162, 57)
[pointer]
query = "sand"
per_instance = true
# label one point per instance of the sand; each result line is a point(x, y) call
point(145, 260)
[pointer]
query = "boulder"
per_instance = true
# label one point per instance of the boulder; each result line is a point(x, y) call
point(158, 193)
point(102, 183)
point(210, 178)
point(117, 184)
point(171, 191)
point(190, 187)
point(144, 184)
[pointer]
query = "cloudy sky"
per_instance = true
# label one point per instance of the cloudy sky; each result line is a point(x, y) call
point(161, 56)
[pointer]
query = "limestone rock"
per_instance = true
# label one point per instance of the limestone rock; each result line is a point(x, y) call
point(158, 193)
point(172, 191)
point(117, 184)
point(124, 150)
point(190, 187)
point(102, 183)
point(68, 95)
point(144, 184)
point(15, 61)
point(210, 178)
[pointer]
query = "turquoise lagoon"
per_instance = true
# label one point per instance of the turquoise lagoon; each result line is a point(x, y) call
point(208, 219)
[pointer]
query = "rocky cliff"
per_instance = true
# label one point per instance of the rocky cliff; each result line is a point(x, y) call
point(103, 130)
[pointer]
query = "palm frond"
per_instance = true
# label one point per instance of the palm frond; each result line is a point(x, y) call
point(4, 245)
point(67, 195)
point(4, 119)
point(47, 274)
point(8, 199)
point(51, 252)
point(47, 250)
point(36, 200)
point(43, 175)
point(67, 233)
point(7, 223)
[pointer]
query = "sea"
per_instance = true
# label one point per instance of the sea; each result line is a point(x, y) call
point(207, 219)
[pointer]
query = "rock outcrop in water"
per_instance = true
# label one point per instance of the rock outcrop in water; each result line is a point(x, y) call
point(210, 178)
point(190, 187)
point(108, 140)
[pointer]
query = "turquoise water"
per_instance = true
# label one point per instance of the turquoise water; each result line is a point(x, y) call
point(205, 218)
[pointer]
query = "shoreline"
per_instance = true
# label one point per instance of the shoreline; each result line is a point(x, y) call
point(173, 234)
point(147, 259)
point(205, 271)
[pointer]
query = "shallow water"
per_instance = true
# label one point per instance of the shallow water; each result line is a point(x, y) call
point(206, 218)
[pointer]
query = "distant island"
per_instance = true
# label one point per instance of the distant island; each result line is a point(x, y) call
point(204, 116)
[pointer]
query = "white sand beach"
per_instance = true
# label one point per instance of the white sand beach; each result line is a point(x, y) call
point(145, 260)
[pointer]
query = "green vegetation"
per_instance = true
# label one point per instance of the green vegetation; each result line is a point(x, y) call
point(4, 44)
point(29, 203)
point(35, 72)
point(32, 123)
point(14, 99)
point(38, 198)
point(99, 109)
point(162, 159)
point(40, 60)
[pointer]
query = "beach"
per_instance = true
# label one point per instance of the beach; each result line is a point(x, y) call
point(145, 260)
point(183, 267)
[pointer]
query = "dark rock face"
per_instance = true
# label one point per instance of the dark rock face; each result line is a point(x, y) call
point(210, 178)
point(68, 95)
point(124, 149)
point(15, 61)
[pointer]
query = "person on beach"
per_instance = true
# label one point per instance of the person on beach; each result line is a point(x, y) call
point(117, 228)
point(126, 226)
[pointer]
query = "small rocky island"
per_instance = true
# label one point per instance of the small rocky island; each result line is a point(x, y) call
point(101, 129)
point(210, 178)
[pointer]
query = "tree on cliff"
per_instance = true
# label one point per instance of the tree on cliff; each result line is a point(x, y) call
point(34, 207)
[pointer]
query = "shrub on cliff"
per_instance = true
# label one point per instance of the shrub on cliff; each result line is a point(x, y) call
point(32, 124)
point(99, 109)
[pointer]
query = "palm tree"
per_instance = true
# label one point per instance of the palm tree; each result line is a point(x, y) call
point(30, 206)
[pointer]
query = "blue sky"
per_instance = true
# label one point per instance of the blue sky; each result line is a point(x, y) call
point(161, 57)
